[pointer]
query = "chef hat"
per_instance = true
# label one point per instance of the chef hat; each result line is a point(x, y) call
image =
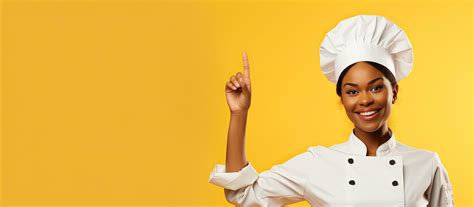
point(366, 38)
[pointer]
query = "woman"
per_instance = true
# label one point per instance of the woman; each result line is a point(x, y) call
point(365, 56)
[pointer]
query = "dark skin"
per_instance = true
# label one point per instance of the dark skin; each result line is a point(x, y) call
point(361, 97)
point(366, 88)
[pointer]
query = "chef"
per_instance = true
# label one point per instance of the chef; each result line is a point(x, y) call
point(365, 56)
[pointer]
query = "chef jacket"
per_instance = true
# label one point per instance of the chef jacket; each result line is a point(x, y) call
point(342, 175)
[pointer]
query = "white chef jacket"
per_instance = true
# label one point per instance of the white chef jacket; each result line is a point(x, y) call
point(342, 175)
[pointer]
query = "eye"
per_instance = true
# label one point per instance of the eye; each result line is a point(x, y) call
point(351, 92)
point(377, 87)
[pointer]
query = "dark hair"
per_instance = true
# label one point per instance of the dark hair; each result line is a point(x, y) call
point(378, 66)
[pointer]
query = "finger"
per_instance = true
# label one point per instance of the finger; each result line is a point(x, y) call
point(230, 85)
point(234, 81)
point(241, 81)
point(246, 66)
point(238, 75)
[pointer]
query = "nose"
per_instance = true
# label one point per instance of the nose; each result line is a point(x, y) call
point(366, 99)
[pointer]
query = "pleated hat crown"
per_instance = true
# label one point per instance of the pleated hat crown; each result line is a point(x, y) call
point(366, 38)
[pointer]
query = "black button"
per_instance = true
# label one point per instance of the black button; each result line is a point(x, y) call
point(350, 160)
point(395, 183)
point(352, 182)
point(392, 162)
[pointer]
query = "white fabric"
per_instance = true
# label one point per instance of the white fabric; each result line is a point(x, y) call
point(366, 38)
point(321, 176)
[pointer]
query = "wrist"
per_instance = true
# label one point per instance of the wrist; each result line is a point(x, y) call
point(239, 113)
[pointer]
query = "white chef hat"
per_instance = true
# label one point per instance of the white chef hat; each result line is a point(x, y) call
point(366, 38)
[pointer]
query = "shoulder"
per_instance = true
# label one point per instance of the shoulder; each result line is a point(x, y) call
point(317, 150)
point(416, 153)
point(299, 164)
point(311, 154)
point(420, 155)
point(327, 155)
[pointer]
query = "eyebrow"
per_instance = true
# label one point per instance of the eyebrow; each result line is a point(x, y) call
point(370, 82)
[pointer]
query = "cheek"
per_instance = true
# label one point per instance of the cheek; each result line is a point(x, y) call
point(386, 113)
point(349, 105)
point(384, 100)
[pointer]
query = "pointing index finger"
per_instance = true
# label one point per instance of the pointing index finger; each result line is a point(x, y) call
point(246, 65)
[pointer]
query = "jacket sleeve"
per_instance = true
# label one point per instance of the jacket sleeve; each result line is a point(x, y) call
point(281, 185)
point(440, 191)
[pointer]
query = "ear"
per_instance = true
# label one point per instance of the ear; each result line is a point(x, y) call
point(395, 93)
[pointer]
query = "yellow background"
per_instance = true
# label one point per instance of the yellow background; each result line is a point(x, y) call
point(108, 103)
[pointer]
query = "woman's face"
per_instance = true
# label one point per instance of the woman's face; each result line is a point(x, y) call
point(366, 89)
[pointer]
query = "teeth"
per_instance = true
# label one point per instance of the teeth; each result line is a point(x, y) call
point(367, 113)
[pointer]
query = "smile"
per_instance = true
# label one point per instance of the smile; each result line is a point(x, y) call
point(367, 116)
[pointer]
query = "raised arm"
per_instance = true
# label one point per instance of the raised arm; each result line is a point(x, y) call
point(243, 185)
point(238, 96)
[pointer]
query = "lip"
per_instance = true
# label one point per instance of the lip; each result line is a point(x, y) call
point(368, 118)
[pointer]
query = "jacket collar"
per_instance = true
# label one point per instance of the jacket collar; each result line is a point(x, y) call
point(358, 147)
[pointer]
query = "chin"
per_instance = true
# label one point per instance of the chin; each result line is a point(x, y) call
point(372, 127)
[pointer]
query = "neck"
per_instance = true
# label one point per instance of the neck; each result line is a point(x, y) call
point(373, 140)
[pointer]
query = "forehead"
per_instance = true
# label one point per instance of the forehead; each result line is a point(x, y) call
point(362, 73)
